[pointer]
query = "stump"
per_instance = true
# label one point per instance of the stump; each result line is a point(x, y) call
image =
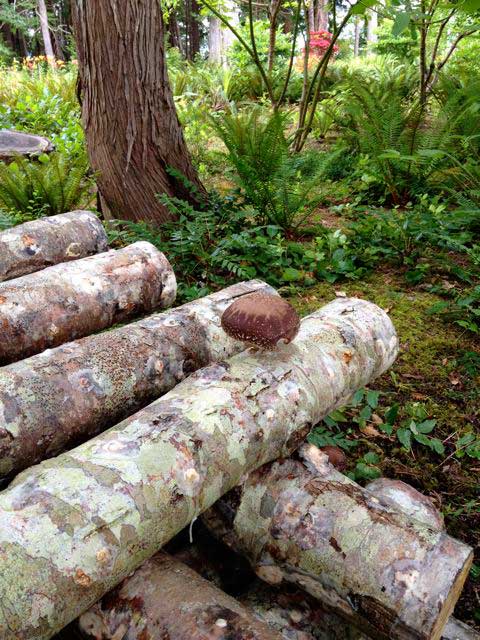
point(16, 143)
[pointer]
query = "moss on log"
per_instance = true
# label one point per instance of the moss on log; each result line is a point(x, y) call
point(167, 599)
point(42, 243)
point(75, 526)
point(56, 399)
point(390, 574)
point(72, 300)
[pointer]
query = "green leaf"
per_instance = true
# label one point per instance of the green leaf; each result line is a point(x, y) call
point(372, 398)
point(402, 20)
point(469, 6)
point(292, 275)
point(338, 416)
point(422, 439)
point(437, 445)
point(391, 414)
point(405, 438)
point(386, 428)
point(361, 7)
point(363, 470)
point(357, 397)
point(365, 413)
point(466, 439)
point(427, 426)
point(371, 458)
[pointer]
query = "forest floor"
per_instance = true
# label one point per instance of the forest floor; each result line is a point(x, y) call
point(438, 371)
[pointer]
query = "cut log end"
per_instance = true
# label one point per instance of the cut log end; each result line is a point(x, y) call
point(452, 598)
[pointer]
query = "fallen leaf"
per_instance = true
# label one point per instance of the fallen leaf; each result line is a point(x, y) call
point(370, 431)
point(419, 396)
point(340, 294)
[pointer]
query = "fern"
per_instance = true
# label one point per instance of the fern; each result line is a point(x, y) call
point(53, 184)
point(279, 186)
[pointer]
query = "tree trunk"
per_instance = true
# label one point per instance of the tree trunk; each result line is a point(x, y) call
point(75, 526)
point(47, 42)
point(311, 16)
point(215, 40)
point(193, 29)
point(273, 10)
point(231, 13)
point(372, 25)
point(132, 130)
point(64, 396)
point(173, 31)
point(306, 523)
point(42, 243)
point(356, 38)
point(175, 603)
point(321, 16)
point(72, 300)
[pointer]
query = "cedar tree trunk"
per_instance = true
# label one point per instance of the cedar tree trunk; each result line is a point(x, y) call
point(132, 129)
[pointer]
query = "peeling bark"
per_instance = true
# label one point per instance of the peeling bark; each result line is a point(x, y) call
point(75, 526)
point(389, 574)
point(58, 398)
point(68, 301)
point(399, 495)
point(166, 599)
point(42, 243)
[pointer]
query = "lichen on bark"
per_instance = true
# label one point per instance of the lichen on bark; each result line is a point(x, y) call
point(75, 526)
point(395, 576)
point(74, 299)
point(42, 243)
point(56, 399)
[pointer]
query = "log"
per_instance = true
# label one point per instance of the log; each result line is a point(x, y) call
point(72, 300)
point(175, 603)
point(306, 523)
point(16, 143)
point(42, 243)
point(75, 526)
point(52, 401)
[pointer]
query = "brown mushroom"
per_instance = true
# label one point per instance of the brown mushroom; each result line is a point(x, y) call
point(336, 457)
point(261, 319)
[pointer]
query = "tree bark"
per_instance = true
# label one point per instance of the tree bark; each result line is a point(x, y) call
point(175, 603)
point(42, 243)
point(72, 300)
point(56, 399)
point(291, 612)
point(215, 40)
point(75, 526)
point(306, 523)
point(321, 16)
point(372, 25)
point(47, 41)
point(173, 31)
point(192, 27)
point(134, 138)
point(356, 38)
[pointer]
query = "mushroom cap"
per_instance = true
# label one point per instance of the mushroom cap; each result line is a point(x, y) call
point(336, 457)
point(261, 319)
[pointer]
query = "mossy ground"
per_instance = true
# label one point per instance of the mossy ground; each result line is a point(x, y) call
point(428, 370)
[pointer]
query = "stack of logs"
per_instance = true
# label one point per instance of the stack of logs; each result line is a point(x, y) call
point(138, 430)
